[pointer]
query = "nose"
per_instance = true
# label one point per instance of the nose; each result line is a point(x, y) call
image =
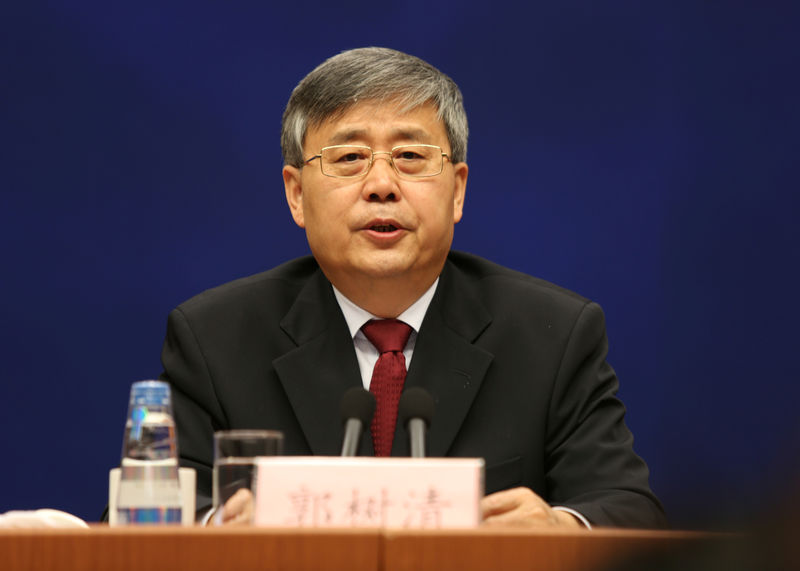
point(380, 183)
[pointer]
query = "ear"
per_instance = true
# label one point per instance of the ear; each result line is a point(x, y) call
point(294, 193)
point(461, 170)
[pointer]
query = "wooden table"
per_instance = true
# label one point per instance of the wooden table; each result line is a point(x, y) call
point(220, 549)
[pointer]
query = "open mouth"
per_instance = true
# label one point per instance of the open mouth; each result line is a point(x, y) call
point(383, 228)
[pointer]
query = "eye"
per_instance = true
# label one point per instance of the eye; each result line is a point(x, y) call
point(350, 157)
point(408, 155)
point(347, 155)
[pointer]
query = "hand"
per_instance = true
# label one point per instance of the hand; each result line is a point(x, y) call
point(521, 507)
point(238, 510)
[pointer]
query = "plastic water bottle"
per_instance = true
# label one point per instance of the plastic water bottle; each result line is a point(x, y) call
point(149, 490)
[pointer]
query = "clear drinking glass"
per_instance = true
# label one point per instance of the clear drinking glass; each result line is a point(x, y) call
point(235, 452)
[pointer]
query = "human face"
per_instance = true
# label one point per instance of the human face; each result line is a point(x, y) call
point(378, 228)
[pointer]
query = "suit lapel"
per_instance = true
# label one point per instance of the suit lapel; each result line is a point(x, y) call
point(316, 374)
point(445, 361)
point(323, 366)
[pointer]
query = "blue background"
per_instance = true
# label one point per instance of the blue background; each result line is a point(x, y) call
point(644, 154)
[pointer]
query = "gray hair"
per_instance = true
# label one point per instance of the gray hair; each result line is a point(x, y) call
point(338, 83)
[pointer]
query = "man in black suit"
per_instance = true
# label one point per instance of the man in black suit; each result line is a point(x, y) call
point(374, 144)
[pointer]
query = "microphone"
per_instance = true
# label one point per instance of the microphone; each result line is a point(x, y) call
point(415, 411)
point(356, 408)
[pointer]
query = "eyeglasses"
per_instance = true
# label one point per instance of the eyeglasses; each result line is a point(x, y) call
point(350, 161)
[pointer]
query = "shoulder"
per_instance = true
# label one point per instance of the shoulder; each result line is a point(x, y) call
point(278, 286)
point(491, 280)
point(515, 301)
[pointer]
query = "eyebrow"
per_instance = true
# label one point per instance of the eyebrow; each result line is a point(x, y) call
point(347, 136)
point(406, 134)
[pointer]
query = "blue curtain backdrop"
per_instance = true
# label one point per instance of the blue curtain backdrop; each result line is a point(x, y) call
point(644, 154)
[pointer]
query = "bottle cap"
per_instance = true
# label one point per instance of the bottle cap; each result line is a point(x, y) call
point(150, 393)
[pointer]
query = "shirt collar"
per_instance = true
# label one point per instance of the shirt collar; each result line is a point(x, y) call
point(356, 316)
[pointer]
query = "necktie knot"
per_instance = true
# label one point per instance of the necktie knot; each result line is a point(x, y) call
point(388, 335)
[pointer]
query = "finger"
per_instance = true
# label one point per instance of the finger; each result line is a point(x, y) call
point(238, 506)
point(242, 518)
point(506, 500)
point(526, 515)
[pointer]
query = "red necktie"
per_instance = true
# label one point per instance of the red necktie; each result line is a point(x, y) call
point(389, 336)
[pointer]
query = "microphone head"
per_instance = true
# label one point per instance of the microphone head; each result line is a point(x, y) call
point(415, 402)
point(358, 403)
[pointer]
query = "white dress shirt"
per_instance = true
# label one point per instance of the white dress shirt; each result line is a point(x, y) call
point(366, 352)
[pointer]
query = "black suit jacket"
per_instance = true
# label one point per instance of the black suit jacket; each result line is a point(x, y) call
point(516, 367)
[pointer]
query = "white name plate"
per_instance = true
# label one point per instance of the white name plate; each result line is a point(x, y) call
point(417, 493)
